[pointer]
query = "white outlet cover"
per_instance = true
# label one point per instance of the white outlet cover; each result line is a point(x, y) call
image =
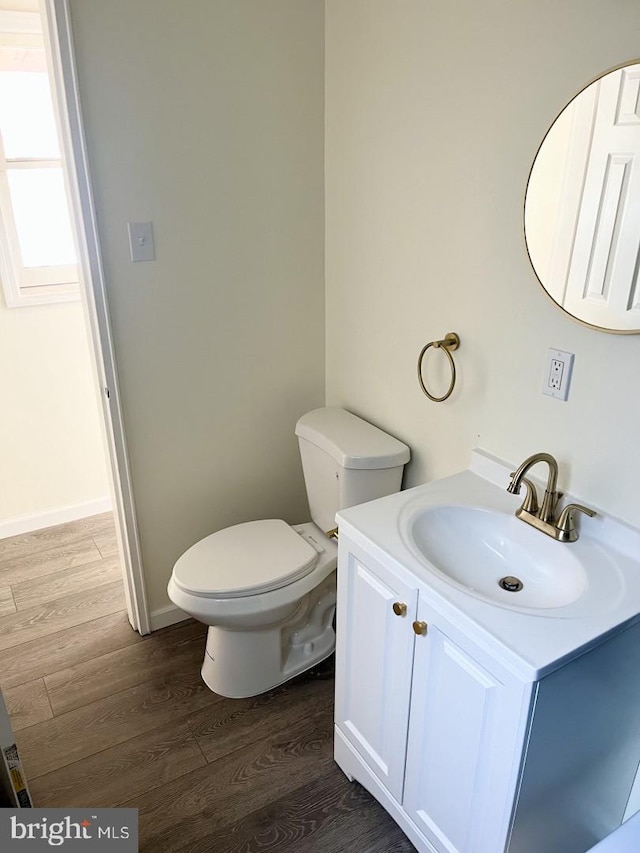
point(557, 374)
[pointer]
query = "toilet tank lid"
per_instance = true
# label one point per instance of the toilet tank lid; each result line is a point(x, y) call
point(352, 442)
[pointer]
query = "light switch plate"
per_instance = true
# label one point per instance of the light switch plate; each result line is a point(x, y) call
point(141, 241)
point(557, 374)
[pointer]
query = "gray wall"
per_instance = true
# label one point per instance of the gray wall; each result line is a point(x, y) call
point(212, 124)
point(208, 120)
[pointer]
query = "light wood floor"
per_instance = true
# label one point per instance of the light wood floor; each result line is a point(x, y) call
point(105, 717)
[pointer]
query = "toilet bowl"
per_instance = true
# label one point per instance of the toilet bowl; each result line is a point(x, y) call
point(266, 589)
point(270, 614)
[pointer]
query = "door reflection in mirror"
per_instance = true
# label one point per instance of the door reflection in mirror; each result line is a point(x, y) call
point(582, 205)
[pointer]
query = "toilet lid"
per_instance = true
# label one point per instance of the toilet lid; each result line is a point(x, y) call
point(246, 559)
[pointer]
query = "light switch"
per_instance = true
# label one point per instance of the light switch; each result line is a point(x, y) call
point(141, 241)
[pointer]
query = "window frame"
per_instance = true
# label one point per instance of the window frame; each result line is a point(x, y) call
point(24, 286)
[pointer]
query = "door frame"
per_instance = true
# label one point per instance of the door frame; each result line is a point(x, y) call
point(58, 31)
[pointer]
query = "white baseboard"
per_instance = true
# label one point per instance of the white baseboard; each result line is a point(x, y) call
point(166, 616)
point(29, 523)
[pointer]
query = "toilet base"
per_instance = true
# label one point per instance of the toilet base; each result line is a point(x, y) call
point(238, 664)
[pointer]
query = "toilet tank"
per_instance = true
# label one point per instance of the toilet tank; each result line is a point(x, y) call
point(346, 461)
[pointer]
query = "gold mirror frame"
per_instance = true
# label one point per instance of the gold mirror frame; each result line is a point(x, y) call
point(572, 151)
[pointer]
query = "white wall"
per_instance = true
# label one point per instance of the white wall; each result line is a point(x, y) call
point(52, 455)
point(211, 124)
point(21, 5)
point(544, 200)
point(434, 112)
point(207, 118)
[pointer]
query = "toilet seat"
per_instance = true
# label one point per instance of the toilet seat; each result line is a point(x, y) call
point(246, 559)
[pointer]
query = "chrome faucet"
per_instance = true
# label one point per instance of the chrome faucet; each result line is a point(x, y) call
point(564, 530)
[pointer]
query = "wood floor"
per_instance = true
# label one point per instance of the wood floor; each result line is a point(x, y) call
point(105, 717)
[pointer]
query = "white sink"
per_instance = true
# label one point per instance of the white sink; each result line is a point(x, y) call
point(458, 536)
point(476, 548)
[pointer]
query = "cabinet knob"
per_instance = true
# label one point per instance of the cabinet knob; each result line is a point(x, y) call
point(399, 608)
point(420, 627)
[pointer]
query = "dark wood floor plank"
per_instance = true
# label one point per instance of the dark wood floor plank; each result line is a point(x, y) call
point(40, 540)
point(54, 616)
point(28, 704)
point(83, 683)
point(327, 815)
point(342, 818)
point(66, 648)
point(233, 723)
point(67, 582)
point(35, 564)
point(204, 802)
point(134, 724)
point(115, 719)
point(123, 772)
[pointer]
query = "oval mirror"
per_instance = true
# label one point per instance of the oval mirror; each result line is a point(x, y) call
point(582, 205)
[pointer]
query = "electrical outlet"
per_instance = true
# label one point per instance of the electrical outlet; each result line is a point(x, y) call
point(557, 374)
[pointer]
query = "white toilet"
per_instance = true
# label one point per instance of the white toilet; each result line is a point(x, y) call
point(267, 589)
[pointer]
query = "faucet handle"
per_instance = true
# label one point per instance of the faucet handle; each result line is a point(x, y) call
point(566, 523)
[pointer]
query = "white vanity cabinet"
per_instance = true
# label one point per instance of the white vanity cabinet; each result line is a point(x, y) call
point(467, 756)
point(466, 724)
point(437, 729)
point(373, 690)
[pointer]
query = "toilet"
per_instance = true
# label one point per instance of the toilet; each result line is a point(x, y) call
point(267, 589)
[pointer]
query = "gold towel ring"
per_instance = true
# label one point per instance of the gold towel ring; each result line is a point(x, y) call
point(450, 342)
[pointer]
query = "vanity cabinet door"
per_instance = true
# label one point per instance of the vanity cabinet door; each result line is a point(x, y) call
point(464, 741)
point(374, 652)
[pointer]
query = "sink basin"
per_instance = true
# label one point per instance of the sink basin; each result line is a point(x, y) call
point(477, 548)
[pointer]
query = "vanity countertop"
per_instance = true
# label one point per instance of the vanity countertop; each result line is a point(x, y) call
point(530, 642)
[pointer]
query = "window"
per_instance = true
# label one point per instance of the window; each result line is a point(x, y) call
point(38, 257)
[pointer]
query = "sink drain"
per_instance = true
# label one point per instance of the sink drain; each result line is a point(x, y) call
point(511, 584)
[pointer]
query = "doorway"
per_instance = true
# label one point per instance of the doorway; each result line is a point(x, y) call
point(67, 286)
